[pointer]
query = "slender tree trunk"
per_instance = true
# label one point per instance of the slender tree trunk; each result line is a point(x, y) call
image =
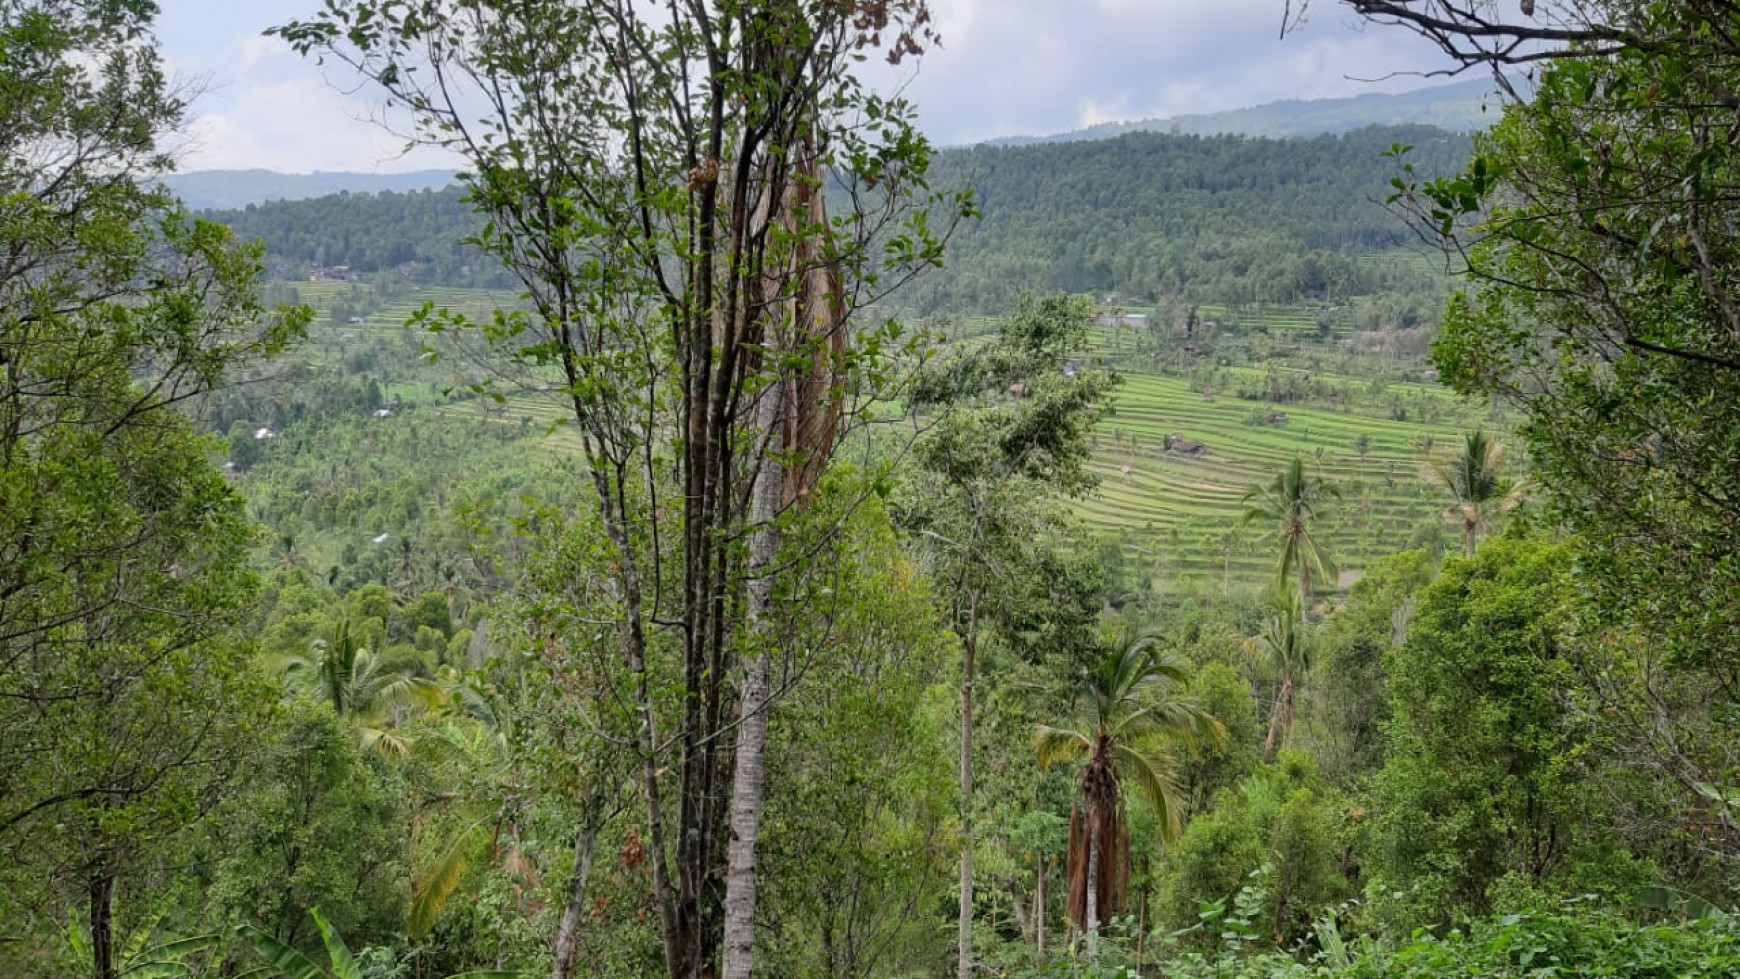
point(102, 886)
point(634, 648)
point(1278, 720)
point(1039, 909)
point(1017, 904)
point(1141, 927)
point(969, 667)
point(1091, 919)
point(750, 768)
point(567, 946)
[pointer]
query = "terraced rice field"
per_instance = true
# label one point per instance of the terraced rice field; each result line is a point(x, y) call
point(387, 317)
point(1181, 511)
point(1177, 512)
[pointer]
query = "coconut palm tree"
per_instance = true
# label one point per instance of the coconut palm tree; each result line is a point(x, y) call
point(1285, 648)
point(288, 557)
point(361, 685)
point(1290, 503)
point(1132, 706)
point(1472, 479)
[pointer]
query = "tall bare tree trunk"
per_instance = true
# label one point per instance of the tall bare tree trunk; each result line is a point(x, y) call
point(751, 771)
point(567, 946)
point(102, 888)
point(634, 648)
point(969, 667)
point(1279, 719)
point(1091, 920)
point(1039, 909)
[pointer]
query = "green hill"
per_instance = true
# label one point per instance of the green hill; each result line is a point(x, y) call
point(1204, 218)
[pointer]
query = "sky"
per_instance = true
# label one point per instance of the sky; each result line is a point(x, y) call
point(1005, 68)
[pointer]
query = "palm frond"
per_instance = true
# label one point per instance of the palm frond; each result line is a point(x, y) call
point(1153, 778)
point(1171, 719)
point(405, 690)
point(1053, 745)
point(385, 743)
point(429, 895)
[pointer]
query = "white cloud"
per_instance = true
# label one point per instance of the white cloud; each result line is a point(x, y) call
point(1042, 66)
point(266, 106)
point(1006, 67)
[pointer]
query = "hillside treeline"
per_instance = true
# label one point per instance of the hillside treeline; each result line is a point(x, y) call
point(418, 234)
point(1214, 218)
point(1148, 215)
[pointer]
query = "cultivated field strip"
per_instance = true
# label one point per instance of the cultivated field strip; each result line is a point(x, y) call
point(1184, 509)
point(1177, 511)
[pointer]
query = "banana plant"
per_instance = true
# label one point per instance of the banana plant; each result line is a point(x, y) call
point(144, 956)
point(289, 963)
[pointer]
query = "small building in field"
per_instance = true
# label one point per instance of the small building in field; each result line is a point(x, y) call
point(1180, 444)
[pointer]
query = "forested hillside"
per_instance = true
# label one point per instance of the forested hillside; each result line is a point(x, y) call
point(417, 235)
point(1211, 218)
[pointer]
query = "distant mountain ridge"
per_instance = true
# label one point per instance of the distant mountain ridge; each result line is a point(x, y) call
point(1461, 107)
point(1457, 108)
point(224, 189)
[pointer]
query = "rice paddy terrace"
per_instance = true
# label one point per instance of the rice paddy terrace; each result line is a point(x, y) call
point(1180, 507)
point(1177, 509)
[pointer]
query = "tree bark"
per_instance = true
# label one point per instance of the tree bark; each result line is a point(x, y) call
point(1091, 919)
point(634, 646)
point(1279, 719)
point(102, 885)
point(750, 767)
point(964, 966)
point(567, 946)
point(1039, 909)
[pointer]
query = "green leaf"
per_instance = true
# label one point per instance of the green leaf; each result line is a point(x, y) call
point(437, 885)
point(284, 961)
point(344, 965)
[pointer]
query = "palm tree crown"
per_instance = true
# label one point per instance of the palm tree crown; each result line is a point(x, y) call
point(361, 685)
point(1129, 695)
point(1290, 503)
point(1472, 478)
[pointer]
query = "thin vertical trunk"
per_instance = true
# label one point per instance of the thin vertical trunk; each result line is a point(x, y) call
point(750, 767)
point(1018, 906)
point(1091, 919)
point(1039, 909)
point(567, 946)
point(634, 649)
point(969, 667)
point(1278, 720)
point(1141, 927)
point(102, 887)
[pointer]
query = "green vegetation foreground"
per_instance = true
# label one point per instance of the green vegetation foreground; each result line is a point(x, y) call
point(755, 677)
